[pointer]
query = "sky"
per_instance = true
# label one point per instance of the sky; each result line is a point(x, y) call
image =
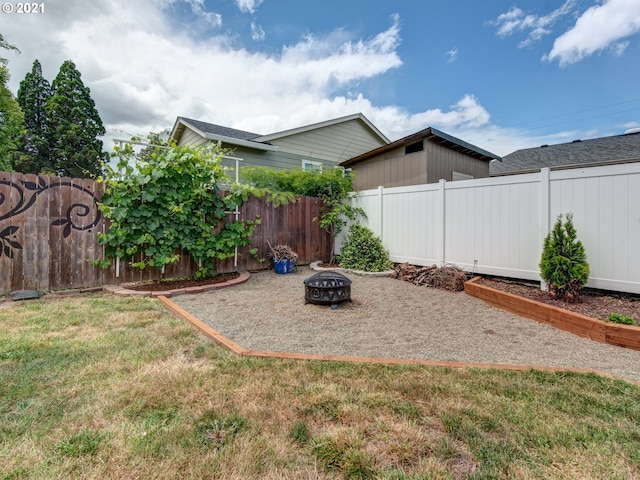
point(500, 74)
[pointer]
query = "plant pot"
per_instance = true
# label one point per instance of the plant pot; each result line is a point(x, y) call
point(284, 266)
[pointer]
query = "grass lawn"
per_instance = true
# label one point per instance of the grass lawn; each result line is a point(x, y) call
point(108, 387)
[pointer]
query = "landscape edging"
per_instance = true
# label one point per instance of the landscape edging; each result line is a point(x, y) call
point(611, 333)
point(126, 292)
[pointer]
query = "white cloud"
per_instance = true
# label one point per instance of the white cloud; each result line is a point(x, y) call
point(143, 74)
point(452, 54)
point(598, 28)
point(537, 25)
point(257, 33)
point(248, 6)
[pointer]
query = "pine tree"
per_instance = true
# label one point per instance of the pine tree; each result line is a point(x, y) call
point(564, 262)
point(33, 94)
point(12, 131)
point(11, 119)
point(74, 126)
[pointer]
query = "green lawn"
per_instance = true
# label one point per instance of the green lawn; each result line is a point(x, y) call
point(109, 387)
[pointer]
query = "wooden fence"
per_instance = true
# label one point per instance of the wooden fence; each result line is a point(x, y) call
point(49, 229)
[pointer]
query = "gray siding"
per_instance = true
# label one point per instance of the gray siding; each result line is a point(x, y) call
point(392, 169)
point(191, 139)
point(331, 144)
point(443, 161)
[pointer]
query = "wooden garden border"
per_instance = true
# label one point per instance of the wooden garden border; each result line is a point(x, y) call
point(627, 336)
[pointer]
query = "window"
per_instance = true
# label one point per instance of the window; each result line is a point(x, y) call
point(414, 147)
point(460, 176)
point(311, 166)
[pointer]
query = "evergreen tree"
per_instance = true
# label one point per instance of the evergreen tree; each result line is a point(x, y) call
point(564, 263)
point(12, 131)
point(74, 126)
point(33, 94)
point(11, 119)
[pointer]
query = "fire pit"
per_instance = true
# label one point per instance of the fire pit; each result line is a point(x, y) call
point(327, 288)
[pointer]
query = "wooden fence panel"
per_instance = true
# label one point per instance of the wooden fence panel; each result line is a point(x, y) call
point(49, 229)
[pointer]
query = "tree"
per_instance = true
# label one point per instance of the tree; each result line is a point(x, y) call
point(74, 126)
point(33, 94)
point(11, 118)
point(564, 262)
point(12, 131)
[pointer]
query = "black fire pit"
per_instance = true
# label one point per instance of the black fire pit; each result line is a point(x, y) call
point(327, 288)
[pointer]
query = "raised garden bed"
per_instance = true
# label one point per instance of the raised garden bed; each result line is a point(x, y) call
point(627, 336)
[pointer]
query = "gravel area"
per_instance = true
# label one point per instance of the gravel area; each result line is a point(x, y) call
point(394, 319)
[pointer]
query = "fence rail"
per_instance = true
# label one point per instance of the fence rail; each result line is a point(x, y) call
point(49, 229)
point(497, 225)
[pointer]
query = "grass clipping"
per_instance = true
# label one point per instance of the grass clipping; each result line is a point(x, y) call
point(450, 278)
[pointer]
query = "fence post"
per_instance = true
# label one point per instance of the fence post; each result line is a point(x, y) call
point(545, 211)
point(381, 214)
point(442, 185)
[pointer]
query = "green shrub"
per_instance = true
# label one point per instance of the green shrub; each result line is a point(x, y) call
point(362, 250)
point(617, 318)
point(564, 262)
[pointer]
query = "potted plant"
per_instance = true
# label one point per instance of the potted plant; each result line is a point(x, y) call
point(284, 258)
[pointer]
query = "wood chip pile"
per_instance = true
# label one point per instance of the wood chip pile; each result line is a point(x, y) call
point(448, 278)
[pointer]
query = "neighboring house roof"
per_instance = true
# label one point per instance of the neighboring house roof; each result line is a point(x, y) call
point(432, 135)
point(596, 151)
point(233, 136)
point(219, 133)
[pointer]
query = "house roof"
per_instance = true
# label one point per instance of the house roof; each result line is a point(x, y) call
point(432, 135)
point(595, 151)
point(326, 123)
point(216, 133)
point(233, 136)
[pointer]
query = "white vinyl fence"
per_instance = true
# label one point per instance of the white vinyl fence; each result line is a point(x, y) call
point(497, 226)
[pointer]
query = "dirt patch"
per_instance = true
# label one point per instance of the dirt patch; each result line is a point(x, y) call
point(172, 284)
point(594, 304)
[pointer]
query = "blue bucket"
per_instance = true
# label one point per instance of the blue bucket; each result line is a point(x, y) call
point(284, 266)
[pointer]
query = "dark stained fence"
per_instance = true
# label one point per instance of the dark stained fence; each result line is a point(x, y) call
point(49, 230)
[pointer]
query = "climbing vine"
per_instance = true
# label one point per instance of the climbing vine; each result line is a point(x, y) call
point(167, 200)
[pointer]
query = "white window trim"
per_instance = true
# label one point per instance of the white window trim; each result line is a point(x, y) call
point(315, 166)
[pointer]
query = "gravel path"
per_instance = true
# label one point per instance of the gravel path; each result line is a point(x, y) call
point(394, 319)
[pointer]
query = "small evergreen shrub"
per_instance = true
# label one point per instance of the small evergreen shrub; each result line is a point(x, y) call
point(362, 250)
point(564, 262)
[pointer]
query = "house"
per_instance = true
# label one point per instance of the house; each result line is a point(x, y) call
point(578, 153)
point(316, 146)
point(424, 157)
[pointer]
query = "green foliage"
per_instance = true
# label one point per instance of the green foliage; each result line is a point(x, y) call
point(332, 186)
point(362, 250)
point(167, 201)
point(33, 94)
point(74, 126)
point(12, 131)
point(623, 319)
point(564, 262)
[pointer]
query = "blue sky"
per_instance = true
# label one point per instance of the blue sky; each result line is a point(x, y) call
point(502, 75)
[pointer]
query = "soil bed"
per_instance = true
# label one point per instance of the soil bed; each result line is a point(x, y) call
point(172, 284)
point(594, 304)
